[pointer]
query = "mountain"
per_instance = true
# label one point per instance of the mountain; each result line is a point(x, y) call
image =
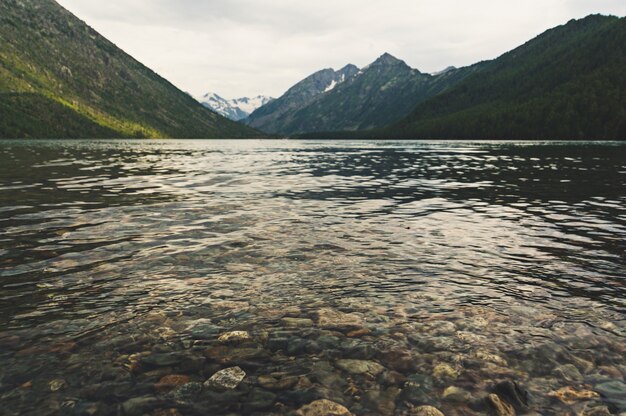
point(448, 69)
point(236, 109)
point(381, 93)
point(269, 118)
point(568, 83)
point(60, 79)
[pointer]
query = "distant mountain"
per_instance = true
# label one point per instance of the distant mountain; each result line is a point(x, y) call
point(568, 83)
point(60, 79)
point(236, 109)
point(269, 118)
point(379, 94)
point(448, 69)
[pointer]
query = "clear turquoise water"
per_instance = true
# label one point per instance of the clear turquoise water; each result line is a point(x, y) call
point(503, 261)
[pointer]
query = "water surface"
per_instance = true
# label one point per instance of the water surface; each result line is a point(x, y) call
point(450, 264)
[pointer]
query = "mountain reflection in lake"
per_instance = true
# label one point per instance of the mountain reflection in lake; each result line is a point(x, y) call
point(380, 276)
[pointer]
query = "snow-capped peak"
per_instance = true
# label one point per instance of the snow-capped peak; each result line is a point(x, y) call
point(248, 105)
point(235, 109)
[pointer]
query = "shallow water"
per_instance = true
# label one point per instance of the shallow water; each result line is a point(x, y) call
point(448, 264)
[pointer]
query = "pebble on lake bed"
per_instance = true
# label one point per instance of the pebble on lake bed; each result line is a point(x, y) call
point(456, 394)
point(323, 408)
point(443, 370)
point(360, 367)
point(227, 379)
point(140, 405)
point(167, 412)
point(493, 358)
point(426, 411)
point(234, 337)
point(569, 395)
point(171, 381)
point(297, 322)
point(56, 385)
point(278, 383)
point(499, 406)
point(328, 318)
point(226, 355)
point(358, 333)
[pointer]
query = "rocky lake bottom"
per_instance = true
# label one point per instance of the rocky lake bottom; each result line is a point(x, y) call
point(312, 278)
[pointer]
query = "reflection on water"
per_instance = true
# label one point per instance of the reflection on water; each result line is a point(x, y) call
point(451, 265)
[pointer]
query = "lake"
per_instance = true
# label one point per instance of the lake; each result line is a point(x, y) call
point(382, 276)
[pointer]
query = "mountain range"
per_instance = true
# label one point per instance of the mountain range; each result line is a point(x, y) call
point(235, 109)
point(354, 99)
point(567, 83)
point(60, 79)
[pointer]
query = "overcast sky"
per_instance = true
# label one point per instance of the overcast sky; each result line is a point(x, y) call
point(249, 47)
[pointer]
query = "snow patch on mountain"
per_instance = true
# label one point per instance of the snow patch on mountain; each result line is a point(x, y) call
point(332, 85)
point(234, 109)
point(445, 71)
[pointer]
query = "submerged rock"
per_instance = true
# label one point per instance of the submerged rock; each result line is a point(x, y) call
point(442, 371)
point(226, 355)
point(612, 372)
point(384, 401)
point(223, 293)
point(272, 382)
point(170, 382)
point(297, 322)
point(259, 399)
point(417, 390)
point(456, 394)
point(585, 366)
point(514, 394)
point(614, 392)
point(323, 408)
point(597, 411)
point(57, 384)
point(569, 395)
point(229, 304)
point(297, 346)
point(140, 405)
point(354, 348)
point(161, 360)
point(203, 329)
point(277, 341)
point(186, 393)
point(329, 341)
point(328, 318)
point(326, 375)
point(493, 358)
point(440, 328)
point(393, 378)
point(358, 333)
point(426, 411)
point(568, 372)
point(227, 379)
point(167, 412)
point(399, 359)
point(234, 337)
point(499, 406)
point(360, 367)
